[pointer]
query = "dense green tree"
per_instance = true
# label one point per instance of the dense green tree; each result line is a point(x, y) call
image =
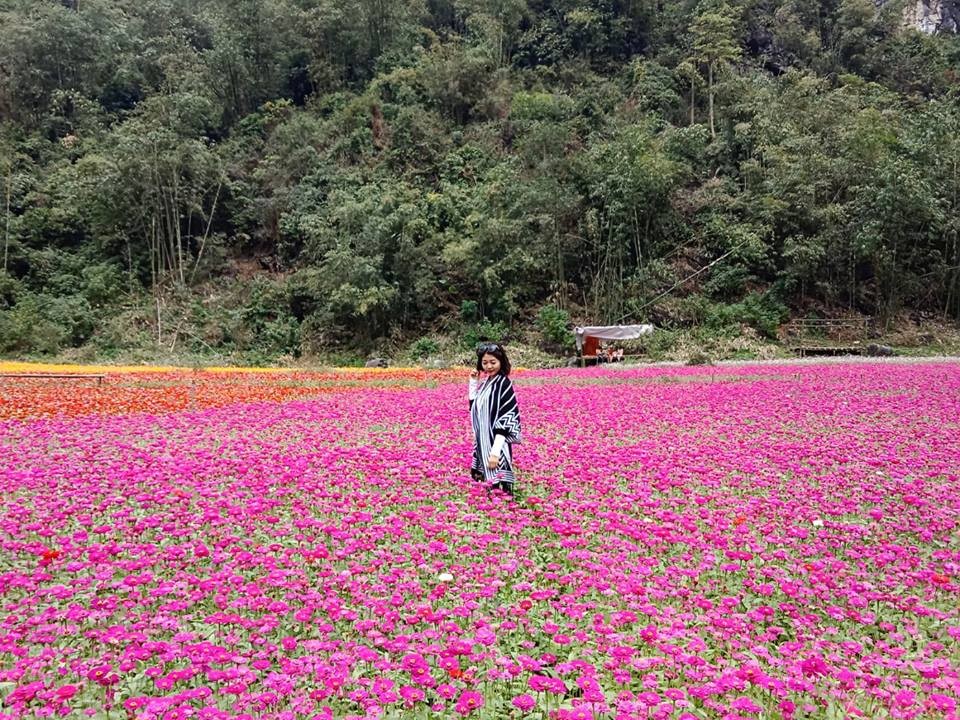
point(384, 164)
point(48, 47)
point(157, 186)
point(715, 44)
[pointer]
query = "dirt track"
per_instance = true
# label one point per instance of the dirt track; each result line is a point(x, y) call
point(821, 360)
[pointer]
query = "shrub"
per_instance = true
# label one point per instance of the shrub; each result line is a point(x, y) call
point(540, 106)
point(484, 331)
point(73, 315)
point(102, 284)
point(267, 323)
point(698, 357)
point(469, 311)
point(554, 325)
point(758, 310)
point(10, 290)
point(658, 345)
point(25, 329)
point(424, 347)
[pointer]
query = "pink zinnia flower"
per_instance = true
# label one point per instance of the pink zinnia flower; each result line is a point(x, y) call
point(412, 694)
point(468, 701)
point(905, 698)
point(447, 692)
point(66, 692)
point(943, 703)
point(524, 702)
point(745, 704)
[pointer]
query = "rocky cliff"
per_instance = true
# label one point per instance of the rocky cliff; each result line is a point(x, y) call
point(932, 16)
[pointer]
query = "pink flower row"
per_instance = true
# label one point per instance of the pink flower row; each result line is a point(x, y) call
point(687, 542)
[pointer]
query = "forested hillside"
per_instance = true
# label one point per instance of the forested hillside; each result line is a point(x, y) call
point(289, 176)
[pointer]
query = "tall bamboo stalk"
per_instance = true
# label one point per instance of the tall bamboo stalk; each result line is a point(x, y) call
point(6, 234)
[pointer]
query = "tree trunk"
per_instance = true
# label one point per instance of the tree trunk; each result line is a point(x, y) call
point(159, 328)
point(693, 100)
point(713, 131)
point(892, 286)
point(130, 287)
point(853, 280)
point(154, 255)
point(561, 282)
point(206, 232)
point(953, 284)
point(6, 233)
point(176, 227)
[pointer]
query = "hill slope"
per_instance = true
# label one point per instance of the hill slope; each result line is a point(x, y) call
point(381, 170)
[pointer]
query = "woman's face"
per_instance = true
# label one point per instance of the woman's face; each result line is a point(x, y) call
point(490, 364)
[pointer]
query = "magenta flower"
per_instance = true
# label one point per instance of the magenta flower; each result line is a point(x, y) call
point(280, 553)
point(447, 692)
point(65, 692)
point(468, 701)
point(744, 704)
point(412, 694)
point(578, 713)
point(524, 703)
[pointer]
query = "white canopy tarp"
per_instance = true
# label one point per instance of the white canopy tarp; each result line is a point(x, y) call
point(611, 332)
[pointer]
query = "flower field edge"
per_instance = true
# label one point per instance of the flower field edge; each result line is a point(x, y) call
point(755, 543)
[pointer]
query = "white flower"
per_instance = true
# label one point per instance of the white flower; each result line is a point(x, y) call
point(818, 523)
point(445, 577)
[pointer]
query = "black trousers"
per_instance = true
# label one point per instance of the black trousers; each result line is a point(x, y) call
point(479, 477)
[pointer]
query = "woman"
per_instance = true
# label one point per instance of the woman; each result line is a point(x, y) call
point(495, 418)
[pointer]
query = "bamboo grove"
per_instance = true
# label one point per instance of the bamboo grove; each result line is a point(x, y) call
point(294, 174)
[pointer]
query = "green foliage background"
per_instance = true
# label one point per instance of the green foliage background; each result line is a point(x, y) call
point(278, 177)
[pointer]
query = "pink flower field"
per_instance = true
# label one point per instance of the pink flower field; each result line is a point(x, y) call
point(749, 542)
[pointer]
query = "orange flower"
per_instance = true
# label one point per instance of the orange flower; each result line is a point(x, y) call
point(48, 556)
point(163, 390)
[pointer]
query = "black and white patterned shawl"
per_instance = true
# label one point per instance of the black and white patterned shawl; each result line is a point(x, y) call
point(494, 411)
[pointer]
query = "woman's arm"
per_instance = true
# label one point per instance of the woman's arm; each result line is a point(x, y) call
point(472, 387)
point(496, 451)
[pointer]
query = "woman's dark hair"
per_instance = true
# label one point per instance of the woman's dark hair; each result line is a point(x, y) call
point(495, 349)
